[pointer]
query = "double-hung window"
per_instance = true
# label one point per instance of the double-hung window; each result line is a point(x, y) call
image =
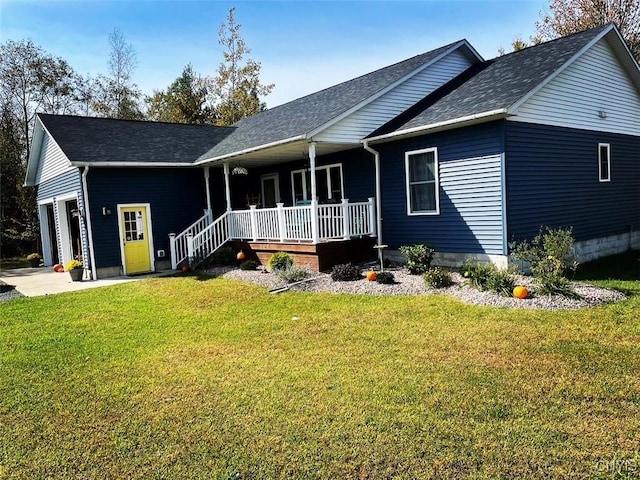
point(421, 169)
point(604, 162)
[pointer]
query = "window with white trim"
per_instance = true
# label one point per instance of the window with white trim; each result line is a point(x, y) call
point(604, 162)
point(329, 184)
point(421, 169)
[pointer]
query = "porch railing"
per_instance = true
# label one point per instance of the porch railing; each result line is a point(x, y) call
point(280, 224)
point(179, 243)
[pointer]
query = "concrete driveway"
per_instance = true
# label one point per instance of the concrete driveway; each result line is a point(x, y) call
point(33, 282)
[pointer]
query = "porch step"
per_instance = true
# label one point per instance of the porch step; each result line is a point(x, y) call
point(317, 257)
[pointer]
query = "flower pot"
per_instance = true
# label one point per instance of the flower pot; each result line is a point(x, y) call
point(76, 274)
point(34, 262)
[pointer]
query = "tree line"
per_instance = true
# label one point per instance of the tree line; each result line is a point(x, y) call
point(34, 81)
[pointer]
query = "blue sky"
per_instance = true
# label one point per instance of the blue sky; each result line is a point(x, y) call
point(303, 46)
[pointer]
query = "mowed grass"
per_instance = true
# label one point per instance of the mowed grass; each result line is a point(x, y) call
point(190, 377)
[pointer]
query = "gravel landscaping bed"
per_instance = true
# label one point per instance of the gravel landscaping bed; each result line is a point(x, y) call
point(414, 285)
point(8, 293)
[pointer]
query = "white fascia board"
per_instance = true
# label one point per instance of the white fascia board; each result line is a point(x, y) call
point(250, 150)
point(513, 109)
point(34, 155)
point(362, 104)
point(130, 164)
point(629, 63)
point(484, 117)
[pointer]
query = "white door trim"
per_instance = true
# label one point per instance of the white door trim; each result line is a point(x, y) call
point(120, 206)
point(270, 176)
point(64, 233)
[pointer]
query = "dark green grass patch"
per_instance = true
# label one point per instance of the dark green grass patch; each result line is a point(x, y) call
point(194, 377)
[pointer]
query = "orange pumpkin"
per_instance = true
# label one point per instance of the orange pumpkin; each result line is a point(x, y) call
point(58, 268)
point(185, 268)
point(520, 292)
point(372, 275)
point(240, 256)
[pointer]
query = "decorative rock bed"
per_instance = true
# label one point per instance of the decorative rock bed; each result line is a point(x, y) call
point(407, 284)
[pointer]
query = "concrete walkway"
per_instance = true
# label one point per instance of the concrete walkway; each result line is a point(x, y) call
point(33, 282)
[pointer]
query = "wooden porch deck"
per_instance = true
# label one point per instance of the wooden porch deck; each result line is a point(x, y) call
point(318, 257)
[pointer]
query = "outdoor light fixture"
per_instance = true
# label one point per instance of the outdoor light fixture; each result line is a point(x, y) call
point(602, 114)
point(106, 211)
point(238, 170)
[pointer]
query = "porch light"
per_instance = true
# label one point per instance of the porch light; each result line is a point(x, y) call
point(238, 170)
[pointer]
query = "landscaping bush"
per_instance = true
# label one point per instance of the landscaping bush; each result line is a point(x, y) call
point(345, 272)
point(477, 273)
point(419, 257)
point(555, 285)
point(386, 278)
point(501, 282)
point(549, 253)
point(249, 265)
point(292, 274)
point(280, 261)
point(437, 277)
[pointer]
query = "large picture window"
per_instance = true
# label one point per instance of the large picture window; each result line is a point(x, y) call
point(604, 162)
point(421, 168)
point(329, 184)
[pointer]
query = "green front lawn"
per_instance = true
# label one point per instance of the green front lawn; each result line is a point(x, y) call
point(187, 377)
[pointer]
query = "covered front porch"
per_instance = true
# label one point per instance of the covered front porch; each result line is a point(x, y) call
point(289, 202)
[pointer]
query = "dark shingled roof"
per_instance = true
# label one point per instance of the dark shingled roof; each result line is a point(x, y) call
point(103, 140)
point(305, 114)
point(491, 85)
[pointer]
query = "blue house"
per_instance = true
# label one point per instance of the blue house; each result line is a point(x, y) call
point(444, 147)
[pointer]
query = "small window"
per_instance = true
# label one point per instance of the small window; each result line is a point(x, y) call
point(604, 162)
point(421, 168)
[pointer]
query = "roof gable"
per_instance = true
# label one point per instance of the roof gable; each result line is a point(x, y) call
point(309, 115)
point(495, 88)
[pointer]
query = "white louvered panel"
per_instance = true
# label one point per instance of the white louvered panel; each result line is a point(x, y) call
point(364, 121)
point(52, 161)
point(595, 82)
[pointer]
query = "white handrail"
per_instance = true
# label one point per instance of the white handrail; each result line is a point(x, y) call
point(211, 238)
point(178, 243)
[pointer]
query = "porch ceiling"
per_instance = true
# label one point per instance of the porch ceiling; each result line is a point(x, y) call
point(296, 150)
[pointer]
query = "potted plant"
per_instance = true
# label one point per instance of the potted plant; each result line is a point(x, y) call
point(74, 267)
point(33, 259)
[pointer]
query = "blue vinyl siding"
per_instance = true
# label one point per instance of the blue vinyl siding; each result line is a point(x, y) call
point(471, 210)
point(552, 179)
point(177, 199)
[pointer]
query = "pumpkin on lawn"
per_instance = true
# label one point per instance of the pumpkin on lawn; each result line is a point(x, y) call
point(372, 275)
point(520, 292)
point(240, 256)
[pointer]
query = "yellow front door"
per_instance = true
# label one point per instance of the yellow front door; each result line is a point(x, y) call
point(134, 228)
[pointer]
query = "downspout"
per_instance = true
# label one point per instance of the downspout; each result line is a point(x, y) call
point(87, 216)
point(376, 158)
point(206, 183)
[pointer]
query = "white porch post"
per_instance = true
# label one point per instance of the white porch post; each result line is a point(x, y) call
point(206, 183)
point(314, 195)
point(345, 219)
point(190, 249)
point(372, 217)
point(227, 189)
point(172, 248)
point(254, 225)
point(282, 230)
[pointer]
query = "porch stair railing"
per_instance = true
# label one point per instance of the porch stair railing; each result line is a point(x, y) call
point(179, 244)
point(281, 224)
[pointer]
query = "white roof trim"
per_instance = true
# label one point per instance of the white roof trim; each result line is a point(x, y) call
point(34, 158)
point(250, 150)
point(367, 101)
point(513, 109)
point(484, 116)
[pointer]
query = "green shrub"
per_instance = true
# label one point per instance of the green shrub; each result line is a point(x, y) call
point(386, 278)
point(555, 285)
point(345, 272)
point(478, 274)
point(437, 277)
point(419, 257)
point(502, 282)
point(292, 274)
point(221, 257)
point(249, 265)
point(550, 253)
point(280, 261)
